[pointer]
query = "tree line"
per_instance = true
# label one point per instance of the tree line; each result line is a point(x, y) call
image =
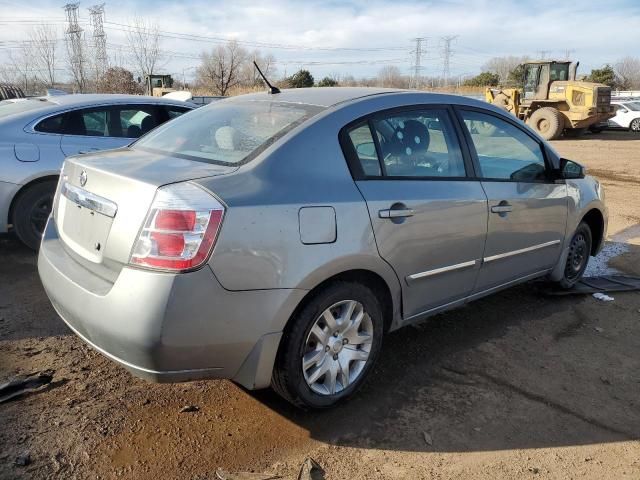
point(39, 63)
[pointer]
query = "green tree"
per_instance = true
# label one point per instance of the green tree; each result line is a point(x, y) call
point(327, 82)
point(301, 79)
point(604, 75)
point(485, 79)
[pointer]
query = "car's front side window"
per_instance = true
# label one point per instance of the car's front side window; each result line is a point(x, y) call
point(415, 143)
point(136, 120)
point(504, 151)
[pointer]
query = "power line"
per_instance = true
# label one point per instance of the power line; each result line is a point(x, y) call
point(99, 38)
point(417, 67)
point(542, 54)
point(446, 53)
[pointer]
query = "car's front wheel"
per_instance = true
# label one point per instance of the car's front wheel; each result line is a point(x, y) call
point(31, 211)
point(330, 346)
point(634, 126)
point(578, 256)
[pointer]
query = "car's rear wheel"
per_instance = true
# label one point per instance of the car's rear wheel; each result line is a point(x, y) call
point(330, 347)
point(31, 211)
point(578, 256)
point(634, 126)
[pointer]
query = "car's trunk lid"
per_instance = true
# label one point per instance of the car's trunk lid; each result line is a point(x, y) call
point(103, 200)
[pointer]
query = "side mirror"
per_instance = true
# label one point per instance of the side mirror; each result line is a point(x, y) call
point(366, 149)
point(571, 170)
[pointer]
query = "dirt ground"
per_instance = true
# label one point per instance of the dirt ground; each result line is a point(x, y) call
point(517, 385)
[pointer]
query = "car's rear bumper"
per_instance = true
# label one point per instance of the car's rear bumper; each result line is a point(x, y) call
point(168, 327)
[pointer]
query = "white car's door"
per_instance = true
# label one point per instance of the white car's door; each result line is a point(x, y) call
point(90, 129)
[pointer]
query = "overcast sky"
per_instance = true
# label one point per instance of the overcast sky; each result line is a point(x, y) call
point(359, 37)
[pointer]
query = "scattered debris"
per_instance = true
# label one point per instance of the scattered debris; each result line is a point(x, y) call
point(603, 297)
point(310, 470)
point(534, 470)
point(603, 283)
point(189, 408)
point(23, 459)
point(25, 384)
point(427, 438)
point(598, 329)
point(222, 475)
point(605, 380)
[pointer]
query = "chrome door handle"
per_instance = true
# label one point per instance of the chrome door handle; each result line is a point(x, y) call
point(501, 208)
point(393, 213)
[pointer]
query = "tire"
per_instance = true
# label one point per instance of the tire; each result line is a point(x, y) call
point(31, 211)
point(548, 122)
point(309, 388)
point(634, 126)
point(578, 257)
point(574, 132)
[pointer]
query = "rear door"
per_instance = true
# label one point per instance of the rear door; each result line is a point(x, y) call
point(429, 216)
point(527, 208)
point(90, 129)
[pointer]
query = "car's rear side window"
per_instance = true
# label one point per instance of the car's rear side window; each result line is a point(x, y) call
point(50, 125)
point(365, 149)
point(418, 143)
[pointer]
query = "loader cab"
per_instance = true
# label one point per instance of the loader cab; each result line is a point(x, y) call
point(539, 75)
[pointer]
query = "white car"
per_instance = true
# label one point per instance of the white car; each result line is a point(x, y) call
point(38, 133)
point(627, 115)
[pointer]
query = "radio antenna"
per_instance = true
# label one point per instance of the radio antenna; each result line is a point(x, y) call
point(272, 89)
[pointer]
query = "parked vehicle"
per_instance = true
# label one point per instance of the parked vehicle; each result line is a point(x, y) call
point(274, 239)
point(627, 115)
point(551, 100)
point(37, 133)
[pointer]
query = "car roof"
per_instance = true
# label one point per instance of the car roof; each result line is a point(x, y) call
point(320, 96)
point(101, 98)
point(331, 96)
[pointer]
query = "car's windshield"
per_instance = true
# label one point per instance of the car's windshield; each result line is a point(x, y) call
point(19, 106)
point(227, 133)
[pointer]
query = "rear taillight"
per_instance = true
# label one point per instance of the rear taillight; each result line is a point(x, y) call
point(180, 230)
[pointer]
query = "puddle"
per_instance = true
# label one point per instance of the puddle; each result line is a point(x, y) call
point(600, 265)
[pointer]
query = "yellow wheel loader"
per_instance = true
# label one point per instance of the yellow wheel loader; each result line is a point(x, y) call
point(552, 101)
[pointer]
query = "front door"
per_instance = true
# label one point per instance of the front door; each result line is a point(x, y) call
point(429, 217)
point(527, 209)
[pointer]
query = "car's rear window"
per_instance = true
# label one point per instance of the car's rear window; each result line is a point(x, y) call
point(8, 107)
point(227, 133)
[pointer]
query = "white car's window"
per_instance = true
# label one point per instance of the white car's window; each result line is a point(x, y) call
point(135, 121)
point(504, 151)
point(635, 106)
point(227, 132)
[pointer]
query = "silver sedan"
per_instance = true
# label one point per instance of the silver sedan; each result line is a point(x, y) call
point(36, 134)
point(275, 239)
